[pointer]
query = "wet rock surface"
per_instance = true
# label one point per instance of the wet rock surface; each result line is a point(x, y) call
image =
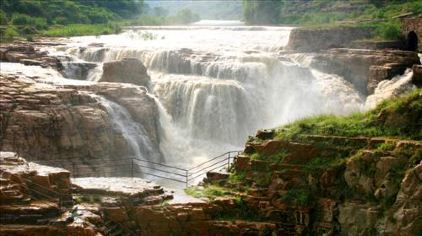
point(67, 122)
point(28, 55)
point(314, 40)
point(365, 68)
point(371, 191)
point(127, 70)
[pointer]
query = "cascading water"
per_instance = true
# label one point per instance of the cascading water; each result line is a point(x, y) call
point(215, 85)
point(391, 88)
point(133, 132)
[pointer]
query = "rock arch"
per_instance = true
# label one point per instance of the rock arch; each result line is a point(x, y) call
point(412, 41)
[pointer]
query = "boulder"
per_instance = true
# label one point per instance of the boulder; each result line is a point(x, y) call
point(128, 70)
point(364, 68)
point(70, 123)
point(314, 40)
point(417, 75)
point(404, 216)
point(22, 181)
point(78, 70)
point(28, 55)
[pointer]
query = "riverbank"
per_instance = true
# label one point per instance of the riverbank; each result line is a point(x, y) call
point(184, 96)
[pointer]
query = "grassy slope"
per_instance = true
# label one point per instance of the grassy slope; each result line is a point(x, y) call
point(401, 117)
point(397, 118)
point(338, 13)
point(359, 13)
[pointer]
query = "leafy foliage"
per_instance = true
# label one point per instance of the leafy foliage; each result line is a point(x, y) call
point(81, 29)
point(34, 16)
point(298, 196)
point(328, 13)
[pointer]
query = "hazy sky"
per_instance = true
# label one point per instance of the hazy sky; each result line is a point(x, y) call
point(206, 9)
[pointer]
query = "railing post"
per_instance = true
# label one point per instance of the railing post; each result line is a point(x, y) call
point(228, 162)
point(73, 169)
point(131, 170)
point(187, 178)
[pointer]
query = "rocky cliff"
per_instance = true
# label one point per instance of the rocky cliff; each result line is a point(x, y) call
point(365, 68)
point(314, 40)
point(325, 177)
point(42, 200)
point(50, 123)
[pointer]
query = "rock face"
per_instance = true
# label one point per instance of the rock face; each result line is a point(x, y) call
point(67, 123)
point(417, 75)
point(33, 197)
point(391, 88)
point(372, 191)
point(28, 55)
point(365, 68)
point(77, 70)
point(41, 200)
point(22, 181)
point(314, 40)
point(128, 70)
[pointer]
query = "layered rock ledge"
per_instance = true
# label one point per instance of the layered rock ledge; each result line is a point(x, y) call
point(365, 68)
point(50, 122)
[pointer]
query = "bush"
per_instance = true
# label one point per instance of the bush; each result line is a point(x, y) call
point(21, 19)
point(9, 33)
point(40, 23)
point(81, 29)
point(185, 16)
point(390, 30)
point(27, 30)
point(3, 18)
point(149, 20)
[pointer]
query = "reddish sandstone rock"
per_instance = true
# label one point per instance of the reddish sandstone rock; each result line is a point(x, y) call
point(365, 68)
point(297, 152)
point(128, 70)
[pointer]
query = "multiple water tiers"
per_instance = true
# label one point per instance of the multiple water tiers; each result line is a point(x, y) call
point(213, 86)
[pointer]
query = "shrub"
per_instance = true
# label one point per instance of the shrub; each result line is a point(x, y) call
point(3, 18)
point(21, 19)
point(299, 196)
point(40, 23)
point(10, 33)
point(389, 30)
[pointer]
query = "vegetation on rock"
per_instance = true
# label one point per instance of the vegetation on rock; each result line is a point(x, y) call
point(386, 120)
point(27, 18)
point(312, 165)
point(333, 13)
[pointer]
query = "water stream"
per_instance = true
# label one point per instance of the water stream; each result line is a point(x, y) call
point(214, 85)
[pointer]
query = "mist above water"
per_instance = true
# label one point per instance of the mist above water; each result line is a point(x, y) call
point(215, 84)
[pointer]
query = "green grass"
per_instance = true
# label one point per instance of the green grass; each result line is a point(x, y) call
point(321, 164)
point(298, 196)
point(211, 192)
point(399, 117)
point(81, 29)
point(378, 17)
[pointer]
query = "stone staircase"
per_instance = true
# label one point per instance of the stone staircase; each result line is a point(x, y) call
point(11, 192)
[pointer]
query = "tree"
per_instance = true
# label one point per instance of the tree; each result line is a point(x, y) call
point(160, 12)
point(261, 12)
point(186, 16)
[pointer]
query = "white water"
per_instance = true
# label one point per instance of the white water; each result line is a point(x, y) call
point(216, 84)
point(390, 88)
point(134, 133)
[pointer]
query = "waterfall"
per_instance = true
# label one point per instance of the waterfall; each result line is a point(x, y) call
point(207, 110)
point(216, 85)
point(133, 132)
point(391, 88)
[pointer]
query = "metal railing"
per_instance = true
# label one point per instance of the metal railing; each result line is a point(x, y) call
point(136, 167)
